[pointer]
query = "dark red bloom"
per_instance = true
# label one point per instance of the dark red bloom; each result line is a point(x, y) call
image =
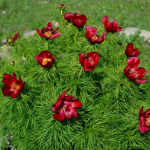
point(92, 36)
point(65, 107)
point(144, 120)
point(111, 26)
point(79, 20)
point(45, 59)
point(12, 39)
point(12, 86)
point(133, 73)
point(130, 51)
point(48, 32)
point(89, 61)
point(68, 16)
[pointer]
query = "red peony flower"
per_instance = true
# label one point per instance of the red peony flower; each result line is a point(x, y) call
point(133, 73)
point(12, 39)
point(65, 107)
point(45, 59)
point(92, 36)
point(144, 120)
point(111, 26)
point(48, 32)
point(89, 61)
point(130, 51)
point(68, 16)
point(12, 86)
point(79, 20)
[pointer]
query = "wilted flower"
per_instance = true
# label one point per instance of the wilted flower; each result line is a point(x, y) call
point(48, 32)
point(133, 73)
point(144, 120)
point(79, 20)
point(65, 107)
point(89, 61)
point(130, 51)
point(92, 36)
point(12, 39)
point(45, 59)
point(12, 86)
point(111, 26)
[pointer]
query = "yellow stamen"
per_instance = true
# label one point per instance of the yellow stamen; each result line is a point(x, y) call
point(94, 37)
point(131, 70)
point(63, 108)
point(148, 121)
point(45, 61)
point(15, 87)
point(48, 34)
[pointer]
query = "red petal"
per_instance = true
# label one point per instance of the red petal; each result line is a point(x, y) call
point(55, 35)
point(15, 94)
point(58, 103)
point(36, 57)
point(6, 91)
point(141, 70)
point(50, 25)
point(143, 129)
point(68, 16)
point(147, 112)
point(56, 30)
point(141, 111)
point(94, 30)
point(119, 29)
point(89, 32)
point(60, 116)
point(40, 33)
point(75, 113)
point(81, 58)
point(133, 62)
point(77, 103)
point(77, 15)
point(62, 96)
point(141, 81)
point(105, 20)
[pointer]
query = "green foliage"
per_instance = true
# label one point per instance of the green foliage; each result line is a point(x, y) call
point(109, 115)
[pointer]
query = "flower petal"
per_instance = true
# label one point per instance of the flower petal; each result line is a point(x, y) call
point(81, 58)
point(105, 20)
point(62, 96)
point(133, 62)
point(50, 25)
point(55, 35)
point(60, 116)
point(76, 103)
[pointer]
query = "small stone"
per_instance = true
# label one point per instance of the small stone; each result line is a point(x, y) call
point(129, 31)
point(5, 52)
point(4, 41)
point(30, 33)
point(4, 12)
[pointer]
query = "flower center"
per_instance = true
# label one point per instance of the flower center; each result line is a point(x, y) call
point(48, 34)
point(15, 87)
point(63, 108)
point(94, 37)
point(148, 121)
point(131, 70)
point(45, 61)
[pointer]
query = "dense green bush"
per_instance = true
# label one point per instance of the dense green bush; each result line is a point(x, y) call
point(108, 118)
